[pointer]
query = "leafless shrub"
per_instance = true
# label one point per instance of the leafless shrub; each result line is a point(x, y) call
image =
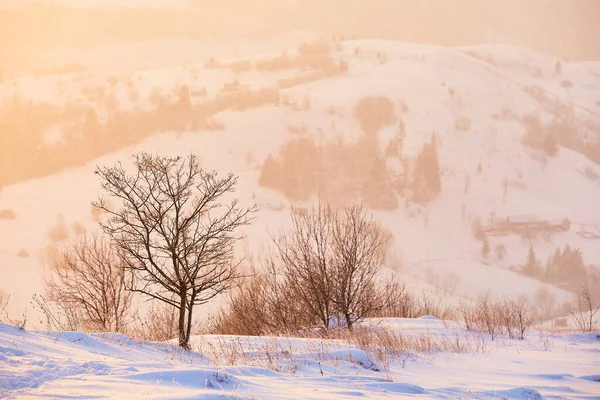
point(89, 279)
point(522, 316)
point(586, 308)
point(468, 314)
point(510, 317)
point(7, 214)
point(57, 317)
point(402, 303)
point(4, 299)
point(19, 322)
point(430, 305)
point(262, 305)
point(487, 317)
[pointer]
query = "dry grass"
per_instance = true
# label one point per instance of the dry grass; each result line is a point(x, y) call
point(20, 321)
point(381, 346)
point(495, 317)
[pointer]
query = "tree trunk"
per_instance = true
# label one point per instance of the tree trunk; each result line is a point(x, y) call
point(348, 321)
point(189, 324)
point(183, 341)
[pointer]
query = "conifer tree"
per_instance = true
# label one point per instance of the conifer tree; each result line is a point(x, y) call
point(426, 178)
point(270, 174)
point(532, 266)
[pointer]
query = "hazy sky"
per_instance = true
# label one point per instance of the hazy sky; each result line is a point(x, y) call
point(561, 28)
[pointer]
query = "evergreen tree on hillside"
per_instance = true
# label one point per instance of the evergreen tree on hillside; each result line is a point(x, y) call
point(426, 183)
point(567, 269)
point(400, 138)
point(270, 173)
point(552, 266)
point(300, 167)
point(532, 266)
point(432, 167)
point(377, 190)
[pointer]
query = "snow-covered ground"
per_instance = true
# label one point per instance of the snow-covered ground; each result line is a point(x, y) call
point(78, 365)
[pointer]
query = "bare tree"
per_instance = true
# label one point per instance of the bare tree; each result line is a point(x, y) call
point(87, 280)
point(360, 251)
point(307, 257)
point(173, 230)
point(585, 309)
point(522, 315)
point(332, 260)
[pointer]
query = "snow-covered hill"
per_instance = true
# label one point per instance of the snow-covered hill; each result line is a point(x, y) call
point(486, 171)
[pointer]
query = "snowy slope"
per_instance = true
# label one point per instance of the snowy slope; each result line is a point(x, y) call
point(77, 365)
point(438, 85)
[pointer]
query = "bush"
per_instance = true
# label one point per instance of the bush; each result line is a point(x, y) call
point(511, 317)
point(261, 306)
point(88, 281)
